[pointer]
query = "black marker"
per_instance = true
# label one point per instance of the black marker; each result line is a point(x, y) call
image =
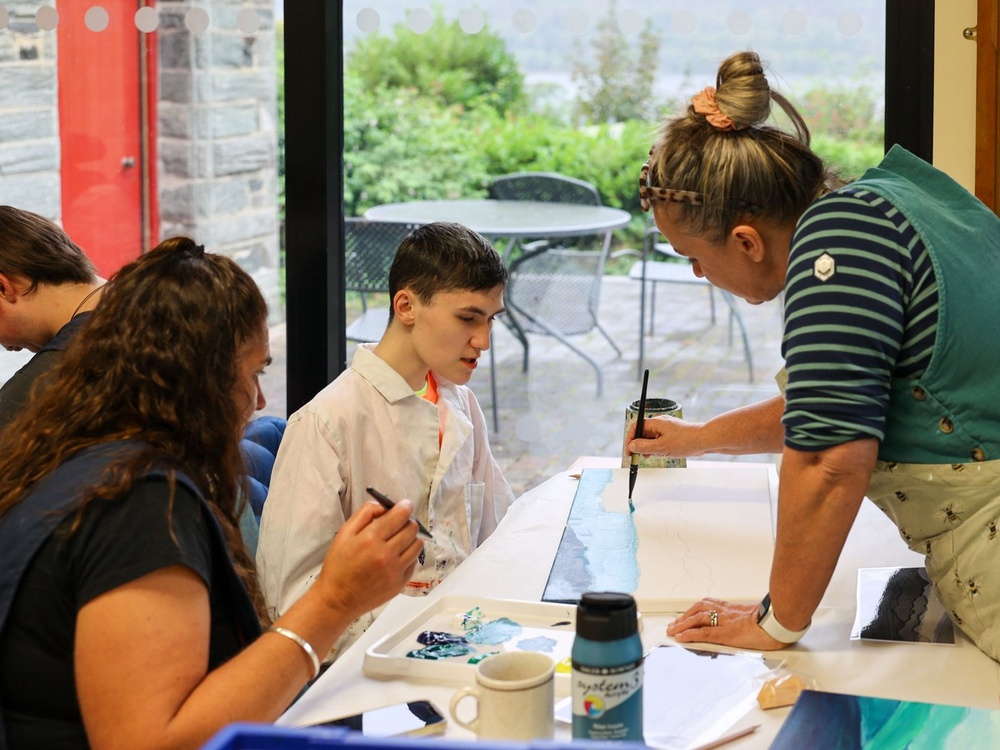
point(389, 505)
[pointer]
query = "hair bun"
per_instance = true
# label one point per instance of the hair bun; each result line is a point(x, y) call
point(742, 89)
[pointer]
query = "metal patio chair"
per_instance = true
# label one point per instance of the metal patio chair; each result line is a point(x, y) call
point(659, 263)
point(369, 247)
point(546, 187)
point(556, 292)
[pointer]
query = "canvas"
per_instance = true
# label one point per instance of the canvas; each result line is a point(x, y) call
point(844, 722)
point(695, 532)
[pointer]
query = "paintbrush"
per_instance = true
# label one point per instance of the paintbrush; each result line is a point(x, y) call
point(633, 471)
point(388, 504)
point(729, 738)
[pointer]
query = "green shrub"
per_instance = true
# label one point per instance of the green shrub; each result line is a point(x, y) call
point(848, 158)
point(400, 145)
point(445, 64)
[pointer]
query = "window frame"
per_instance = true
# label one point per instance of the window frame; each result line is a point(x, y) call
point(314, 138)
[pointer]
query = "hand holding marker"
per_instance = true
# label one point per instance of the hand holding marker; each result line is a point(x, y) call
point(389, 505)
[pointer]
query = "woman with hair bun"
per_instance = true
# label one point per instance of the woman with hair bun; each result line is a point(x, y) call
point(130, 614)
point(891, 291)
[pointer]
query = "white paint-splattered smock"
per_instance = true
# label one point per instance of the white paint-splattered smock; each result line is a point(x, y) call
point(368, 429)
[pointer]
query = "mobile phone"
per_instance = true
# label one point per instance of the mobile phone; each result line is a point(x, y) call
point(415, 717)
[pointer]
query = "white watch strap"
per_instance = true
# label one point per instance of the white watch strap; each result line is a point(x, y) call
point(770, 625)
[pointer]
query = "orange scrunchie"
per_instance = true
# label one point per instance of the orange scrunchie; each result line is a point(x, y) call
point(704, 104)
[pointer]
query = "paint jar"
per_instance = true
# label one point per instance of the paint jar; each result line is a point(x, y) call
point(606, 686)
point(655, 407)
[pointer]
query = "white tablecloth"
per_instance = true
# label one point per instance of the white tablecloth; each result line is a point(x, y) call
point(514, 563)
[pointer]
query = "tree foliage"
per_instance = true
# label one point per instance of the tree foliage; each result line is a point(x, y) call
point(445, 64)
point(402, 145)
point(618, 85)
point(424, 121)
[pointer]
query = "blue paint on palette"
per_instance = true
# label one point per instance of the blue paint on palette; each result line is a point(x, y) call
point(493, 632)
point(540, 643)
point(598, 549)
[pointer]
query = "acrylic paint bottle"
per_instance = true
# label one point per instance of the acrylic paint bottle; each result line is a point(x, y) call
point(607, 669)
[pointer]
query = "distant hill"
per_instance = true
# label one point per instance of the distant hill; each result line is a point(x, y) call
point(844, 40)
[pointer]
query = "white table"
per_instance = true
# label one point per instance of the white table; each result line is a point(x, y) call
point(514, 563)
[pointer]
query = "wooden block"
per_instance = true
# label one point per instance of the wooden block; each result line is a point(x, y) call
point(780, 691)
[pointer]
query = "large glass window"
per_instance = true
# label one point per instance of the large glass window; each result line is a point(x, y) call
point(127, 122)
point(441, 100)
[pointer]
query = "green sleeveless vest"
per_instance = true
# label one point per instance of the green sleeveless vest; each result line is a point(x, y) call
point(951, 414)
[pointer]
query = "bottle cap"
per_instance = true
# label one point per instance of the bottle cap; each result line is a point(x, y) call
point(606, 616)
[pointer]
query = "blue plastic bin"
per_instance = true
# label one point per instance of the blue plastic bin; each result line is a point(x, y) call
point(270, 737)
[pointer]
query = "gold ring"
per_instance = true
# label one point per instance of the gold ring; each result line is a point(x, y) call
point(713, 618)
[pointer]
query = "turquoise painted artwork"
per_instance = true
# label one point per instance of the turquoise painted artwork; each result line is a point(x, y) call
point(598, 549)
point(832, 720)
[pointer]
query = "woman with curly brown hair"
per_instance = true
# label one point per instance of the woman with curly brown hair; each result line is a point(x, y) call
point(129, 607)
point(891, 297)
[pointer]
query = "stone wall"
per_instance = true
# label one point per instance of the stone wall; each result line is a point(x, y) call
point(29, 117)
point(218, 135)
point(217, 172)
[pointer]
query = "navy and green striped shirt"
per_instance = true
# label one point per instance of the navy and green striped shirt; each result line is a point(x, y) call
point(873, 320)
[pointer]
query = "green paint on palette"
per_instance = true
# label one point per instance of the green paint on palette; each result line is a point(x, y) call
point(440, 651)
point(472, 619)
point(479, 657)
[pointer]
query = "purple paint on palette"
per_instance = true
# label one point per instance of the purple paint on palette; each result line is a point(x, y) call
point(437, 637)
point(441, 651)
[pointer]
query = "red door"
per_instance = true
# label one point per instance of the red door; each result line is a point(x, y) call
point(107, 131)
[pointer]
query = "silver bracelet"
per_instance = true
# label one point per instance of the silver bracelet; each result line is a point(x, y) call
point(302, 643)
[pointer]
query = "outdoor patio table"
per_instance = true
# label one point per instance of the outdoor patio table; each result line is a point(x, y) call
point(508, 219)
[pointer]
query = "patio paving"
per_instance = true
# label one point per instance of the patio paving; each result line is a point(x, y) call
point(551, 415)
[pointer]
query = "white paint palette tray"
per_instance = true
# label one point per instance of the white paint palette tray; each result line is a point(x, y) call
point(543, 627)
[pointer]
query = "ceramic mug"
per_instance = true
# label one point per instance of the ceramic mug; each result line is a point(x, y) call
point(514, 695)
point(655, 407)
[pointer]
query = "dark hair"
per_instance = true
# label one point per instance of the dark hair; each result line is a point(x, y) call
point(744, 170)
point(156, 363)
point(33, 247)
point(444, 257)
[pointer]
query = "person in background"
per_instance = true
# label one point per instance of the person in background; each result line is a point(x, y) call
point(401, 420)
point(130, 614)
point(47, 289)
point(892, 292)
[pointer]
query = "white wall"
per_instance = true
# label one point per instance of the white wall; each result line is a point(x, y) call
point(955, 91)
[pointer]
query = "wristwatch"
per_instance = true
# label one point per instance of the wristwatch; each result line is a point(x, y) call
point(770, 625)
